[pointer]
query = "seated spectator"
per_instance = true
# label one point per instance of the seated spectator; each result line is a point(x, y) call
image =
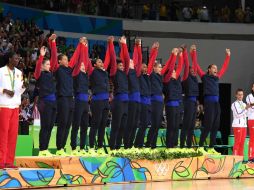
point(204, 14)
point(225, 13)
point(163, 12)
point(187, 13)
point(146, 11)
point(119, 10)
point(248, 15)
point(239, 15)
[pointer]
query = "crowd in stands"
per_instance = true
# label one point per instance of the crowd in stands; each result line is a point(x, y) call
point(150, 10)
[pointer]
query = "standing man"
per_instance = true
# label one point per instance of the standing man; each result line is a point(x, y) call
point(11, 88)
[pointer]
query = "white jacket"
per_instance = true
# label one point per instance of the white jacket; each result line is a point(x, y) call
point(239, 114)
point(250, 100)
point(5, 83)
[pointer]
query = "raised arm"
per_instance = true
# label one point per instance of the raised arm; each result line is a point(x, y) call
point(225, 64)
point(37, 72)
point(171, 66)
point(53, 55)
point(200, 72)
point(180, 65)
point(113, 63)
point(107, 56)
point(152, 58)
point(186, 65)
point(82, 54)
point(124, 54)
point(75, 57)
point(166, 66)
point(137, 56)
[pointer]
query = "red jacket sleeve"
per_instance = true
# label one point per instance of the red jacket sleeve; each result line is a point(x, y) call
point(152, 58)
point(194, 63)
point(138, 66)
point(166, 66)
point(53, 57)
point(37, 72)
point(83, 57)
point(75, 57)
point(125, 57)
point(113, 63)
point(171, 67)
point(179, 66)
point(186, 65)
point(200, 72)
point(224, 66)
point(107, 57)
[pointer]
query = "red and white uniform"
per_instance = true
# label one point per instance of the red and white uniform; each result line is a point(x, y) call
point(239, 125)
point(9, 113)
point(250, 114)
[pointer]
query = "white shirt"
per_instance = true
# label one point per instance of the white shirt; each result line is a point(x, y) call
point(239, 114)
point(250, 100)
point(6, 83)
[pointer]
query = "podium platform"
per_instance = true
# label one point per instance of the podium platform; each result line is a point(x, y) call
point(75, 171)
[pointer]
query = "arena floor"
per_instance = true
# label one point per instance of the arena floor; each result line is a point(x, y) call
point(220, 184)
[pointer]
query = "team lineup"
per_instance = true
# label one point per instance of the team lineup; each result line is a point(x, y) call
point(137, 88)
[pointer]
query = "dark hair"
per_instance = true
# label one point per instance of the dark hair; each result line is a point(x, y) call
point(93, 61)
point(11, 54)
point(118, 61)
point(238, 90)
point(8, 56)
point(157, 63)
point(209, 67)
point(60, 56)
point(45, 59)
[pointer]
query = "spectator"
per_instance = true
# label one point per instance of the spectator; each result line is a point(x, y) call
point(225, 13)
point(187, 13)
point(215, 15)
point(163, 12)
point(248, 15)
point(204, 14)
point(200, 115)
point(146, 11)
point(25, 116)
point(239, 14)
point(93, 8)
point(36, 113)
point(119, 10)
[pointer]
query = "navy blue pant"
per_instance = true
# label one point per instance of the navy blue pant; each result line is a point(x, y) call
point(156, 118)
point(65, 107)
point(80, 119)
point(47, 111)
point(100, 111)
point(144, 119)
point(211, 122)
point(132, 124)
point(119, 122)
point(173, 119)
point(189, 120)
